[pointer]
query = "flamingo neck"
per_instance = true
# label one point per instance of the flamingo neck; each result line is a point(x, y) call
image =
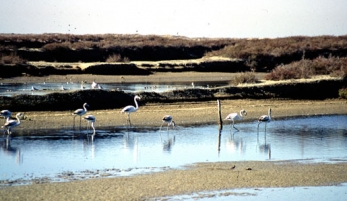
point(92, 124)
point(136, 105)
point(84, 107)
point(269, 114)
point(241, 114)
point(18, 120)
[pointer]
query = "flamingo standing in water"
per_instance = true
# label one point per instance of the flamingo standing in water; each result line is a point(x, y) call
point(234, 116)
point(129, 109)
point(80, 112)
point(168, 119)
point(12, 123)
point(91, 119)
point(6, 114)
point(265, 118)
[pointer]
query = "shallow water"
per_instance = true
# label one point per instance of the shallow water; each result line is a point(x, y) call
point(127, 151)
point(11, 89)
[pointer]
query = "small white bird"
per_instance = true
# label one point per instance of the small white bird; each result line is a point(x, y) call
point(91, 119)
point(33, 88)
point(129, 109)
point(265, 118)
point(63, 88)
point(80, 112)
point(12, 123)
point(234, 116)
point(168, 119)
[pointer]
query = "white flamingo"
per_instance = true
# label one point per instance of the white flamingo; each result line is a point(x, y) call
point(12, 123)
point(63, 88)
point(235, 116)
point(129, 109)
point(6, 114)
point(94, 85)
point(91, 119)
point(169, 120)
point(33, 88)
point(265, 118)
point(80, 112)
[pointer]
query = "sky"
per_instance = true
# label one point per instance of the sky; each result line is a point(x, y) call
point(190, 18)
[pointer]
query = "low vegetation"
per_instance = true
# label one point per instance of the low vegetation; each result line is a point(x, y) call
point(333, 66)
point(243, 78)
point(283, 58)
point(117, 58)
point(343, 93)
point(11, 59)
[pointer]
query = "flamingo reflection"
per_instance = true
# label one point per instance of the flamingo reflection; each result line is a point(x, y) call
point(11, 151)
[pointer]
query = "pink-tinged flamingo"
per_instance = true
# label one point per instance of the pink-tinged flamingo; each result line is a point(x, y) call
point(235, 117)
point(12, 123)
point(169, 120)
point(265, 118)
point(80, 112)
point(129, 109)
point(91, 119)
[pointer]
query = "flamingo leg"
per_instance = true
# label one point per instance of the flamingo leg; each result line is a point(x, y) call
point(161, 126)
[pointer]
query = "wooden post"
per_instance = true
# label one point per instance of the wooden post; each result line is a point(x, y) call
point(220, 115)
point(220, 124)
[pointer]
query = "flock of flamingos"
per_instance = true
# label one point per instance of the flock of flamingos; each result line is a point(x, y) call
point(232, 117)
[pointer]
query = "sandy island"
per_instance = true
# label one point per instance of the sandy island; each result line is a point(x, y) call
point(197, 177)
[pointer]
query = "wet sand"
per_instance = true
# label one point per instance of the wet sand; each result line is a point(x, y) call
point(198, 177)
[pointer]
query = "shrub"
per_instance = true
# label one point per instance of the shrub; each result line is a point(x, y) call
point(117, 58)
point(333, 66)
point(242, 78)
point(11, 59)
point(343, 93)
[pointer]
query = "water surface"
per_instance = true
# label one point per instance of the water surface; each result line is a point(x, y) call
point(124, 151)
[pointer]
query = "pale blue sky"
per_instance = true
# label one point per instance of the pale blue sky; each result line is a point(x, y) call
point(192, 18)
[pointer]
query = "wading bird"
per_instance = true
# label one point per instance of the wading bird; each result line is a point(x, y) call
point(12, 123)
point(168, 119)
point(234, 116)
point(265, 118)
point(129, 109)
point(91, 119)
point(6, 114)
point(80, 112)
point(94, 85)
point(33, 88)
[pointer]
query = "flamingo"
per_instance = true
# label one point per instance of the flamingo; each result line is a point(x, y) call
point(33, 88)
point(94, 85)
point(91, 119)
point(12, 123)
point(168, 119)
point(6, 114)
point(99, 86)
point(265, 118)
point(234, 116)
point(80, 112)
point(129, 109)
